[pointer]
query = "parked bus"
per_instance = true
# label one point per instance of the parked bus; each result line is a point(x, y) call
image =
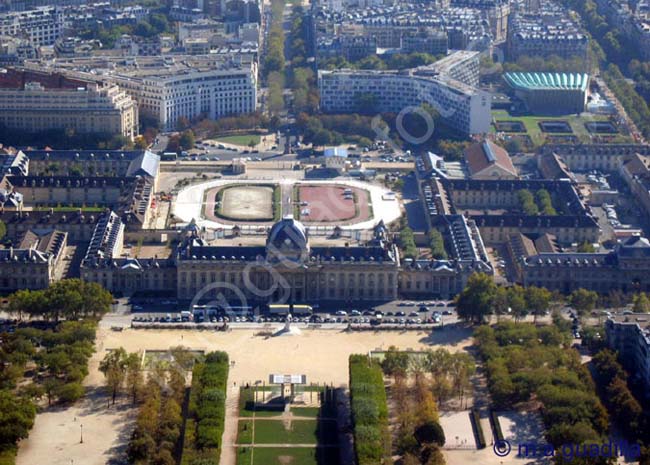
point(284, 309)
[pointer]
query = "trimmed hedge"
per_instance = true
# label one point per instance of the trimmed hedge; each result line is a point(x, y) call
point(369, 411)
point(206, 410)
point(478, 429)
point(496, 426)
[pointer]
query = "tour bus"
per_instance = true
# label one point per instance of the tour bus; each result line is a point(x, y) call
point(284, 309)
point(204, 312)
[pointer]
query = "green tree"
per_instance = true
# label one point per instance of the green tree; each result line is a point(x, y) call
point(474, 303)
point(641, 303)
point(134, 378)
point(430, 433)
point(538, 300)
point(583, 300)
point(500, 304)
point(517, 302)
point(395, 362)
point(16, 418)
point(3, 230)
point(113, 366)
point(187, 140)
point(437, 245)
point(69, 392)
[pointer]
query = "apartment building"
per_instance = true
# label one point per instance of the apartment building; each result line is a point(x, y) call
point(629, 335)
point(462, 106)
point(180, 86)
point(42, 25)
point(425, 40)
point(32, 102)
point(545, 34)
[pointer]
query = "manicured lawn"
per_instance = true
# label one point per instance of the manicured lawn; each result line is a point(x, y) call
point(244, 455)
point(536, 134)
point(245, 432)
point(240, 139)
point(299, 432)
point(275, 432)
point(311, 412)
point(289, 455)
point(246, 397)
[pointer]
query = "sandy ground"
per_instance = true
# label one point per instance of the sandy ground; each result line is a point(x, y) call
point(458, 430)
point(243, 203)
point(56, 436)
point(189, 202)
point(322, 355)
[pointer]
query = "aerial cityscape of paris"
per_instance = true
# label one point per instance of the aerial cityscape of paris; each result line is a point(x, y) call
point(324, 232)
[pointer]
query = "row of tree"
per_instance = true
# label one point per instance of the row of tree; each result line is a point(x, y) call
point(206, 410)
point(274, 58)
point(524, 362)
point(450, 373)
point(407, 243)
point(57, 359)
point(207, 128)
point(419, 433)
point(389, 61)
point(70, 299)
point(301, 76)
point(611, 380)
point(437, 245)
point(181, 141)
point(540, 204)
point(481, 298)
point(614, 47)
point(372, 443)
point(157, 432)
point(634, 105)
point(322, 130)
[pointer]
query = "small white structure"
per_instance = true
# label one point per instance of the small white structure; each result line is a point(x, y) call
point(288, 330)
point(238, 166)
point(336, 158)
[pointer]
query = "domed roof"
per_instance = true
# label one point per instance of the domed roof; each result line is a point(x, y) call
point(288, 233)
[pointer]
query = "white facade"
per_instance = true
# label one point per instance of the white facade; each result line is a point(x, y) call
point(463, 107)
point(91, 109)
point(213, 92)
point(43, 25)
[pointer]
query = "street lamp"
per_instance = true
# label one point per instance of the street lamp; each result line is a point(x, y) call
point(81, 437)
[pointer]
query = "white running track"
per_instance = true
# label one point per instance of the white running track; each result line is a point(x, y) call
point(188, 204)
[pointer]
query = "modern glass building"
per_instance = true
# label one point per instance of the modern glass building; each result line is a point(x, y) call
point(550, 93)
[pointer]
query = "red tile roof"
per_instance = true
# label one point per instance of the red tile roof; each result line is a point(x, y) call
point(483, 154)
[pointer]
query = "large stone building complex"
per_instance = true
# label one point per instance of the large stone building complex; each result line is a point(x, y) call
point(287, 268)
point(34, 263)
point(171, 87)
point(31, 101)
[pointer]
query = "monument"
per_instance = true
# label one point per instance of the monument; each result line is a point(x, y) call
point(288, 330)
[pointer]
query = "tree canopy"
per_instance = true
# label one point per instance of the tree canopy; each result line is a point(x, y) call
point(69, 298)
point(474, 303)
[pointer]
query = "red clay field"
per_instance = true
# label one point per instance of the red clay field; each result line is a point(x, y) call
point(327, 204)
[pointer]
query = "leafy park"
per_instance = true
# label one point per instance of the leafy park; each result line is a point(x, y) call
point(45, 361)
